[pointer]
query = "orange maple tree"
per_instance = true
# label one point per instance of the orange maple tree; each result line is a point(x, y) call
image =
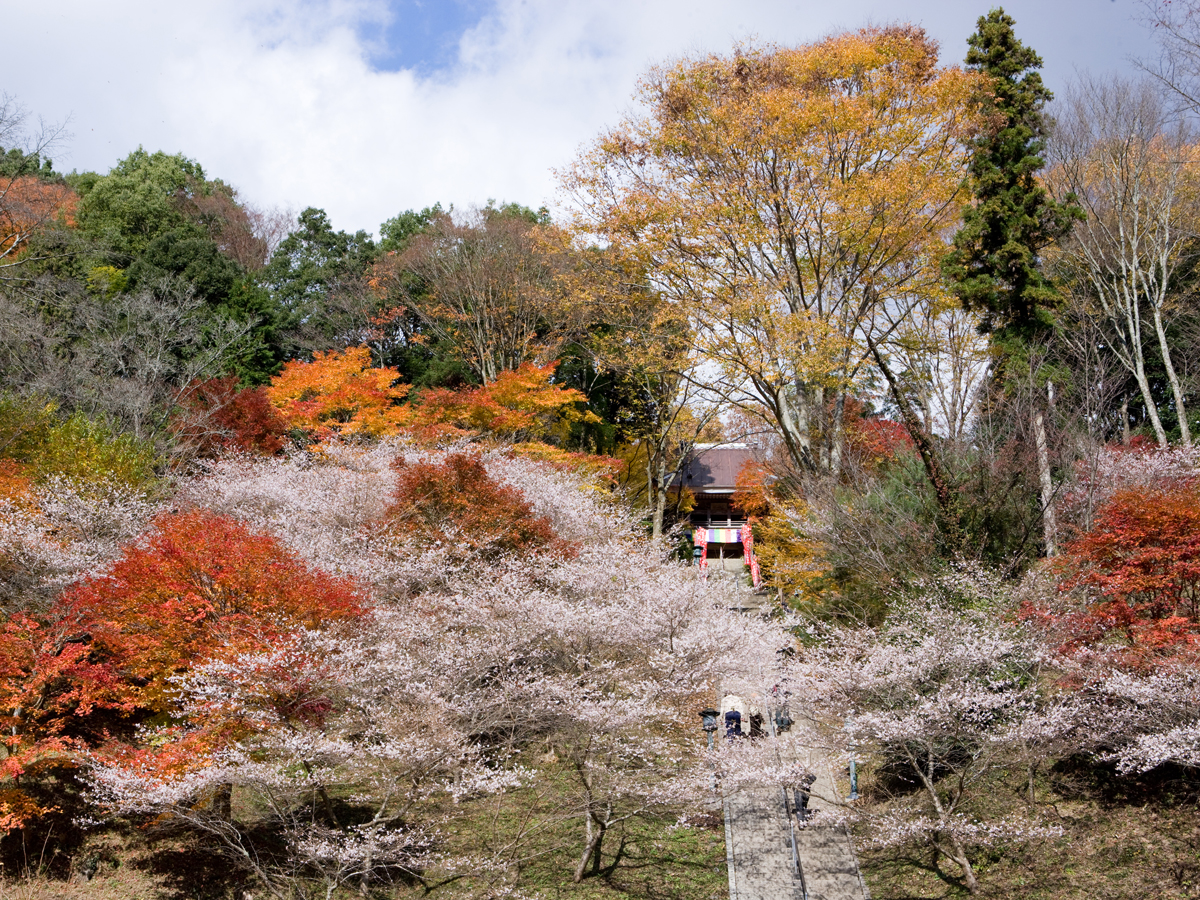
point(522, 404)
point(753, 493)
point(16, 487)
point(26, 204)
point(340, 395)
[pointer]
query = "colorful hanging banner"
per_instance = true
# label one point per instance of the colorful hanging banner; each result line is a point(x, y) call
point(748, 542)
point(723, 535)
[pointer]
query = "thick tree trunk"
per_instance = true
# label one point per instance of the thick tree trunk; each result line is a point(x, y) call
point(837, 434)
point(819, 414)
point(656, 478)
point(793, 427)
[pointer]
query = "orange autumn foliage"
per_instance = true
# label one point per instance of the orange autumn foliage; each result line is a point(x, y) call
point(519, 404)
point(28, 203)
point(340, 395)
point(16, 488)
point(752, 494)
point(1139, 567)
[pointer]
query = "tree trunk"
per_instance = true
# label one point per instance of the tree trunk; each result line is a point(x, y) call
point(594, 839)
point(957, 852)
point(837, 432)
point(793, 428)
point(1049, 523)
point(1185, 433)
point(656, 478)
point(1143, 384)
point(959, 855)
point(822, 430)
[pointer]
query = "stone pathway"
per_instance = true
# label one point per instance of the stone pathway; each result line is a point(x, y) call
point(769, 858)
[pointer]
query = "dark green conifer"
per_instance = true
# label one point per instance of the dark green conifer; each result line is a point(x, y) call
point(993, 267)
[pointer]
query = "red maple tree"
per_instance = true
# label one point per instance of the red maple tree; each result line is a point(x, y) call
point(1140, 568)
point(457, 503)
point(218, 415)
point(200, 587)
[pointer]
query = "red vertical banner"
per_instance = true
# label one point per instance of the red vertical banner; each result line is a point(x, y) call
point(747, 537)
point(700, 539)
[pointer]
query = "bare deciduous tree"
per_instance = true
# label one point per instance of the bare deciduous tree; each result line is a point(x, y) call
point(26, 203)
point(489, 288)
point(1135, 170)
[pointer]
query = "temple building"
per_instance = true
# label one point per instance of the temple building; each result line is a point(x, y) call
point(719, 529)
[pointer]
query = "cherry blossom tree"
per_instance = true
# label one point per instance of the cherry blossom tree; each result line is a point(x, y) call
point(1139, 718)
point(946, 697)
point(58, 530)
point(337, 745)
point(471, 674)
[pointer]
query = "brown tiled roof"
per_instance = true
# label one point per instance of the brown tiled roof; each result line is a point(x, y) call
point(715, 468)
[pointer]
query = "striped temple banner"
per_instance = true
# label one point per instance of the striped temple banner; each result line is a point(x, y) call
point(702, 537)
point(720, 535)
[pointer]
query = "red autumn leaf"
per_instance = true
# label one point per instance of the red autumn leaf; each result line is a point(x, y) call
point(456, 503)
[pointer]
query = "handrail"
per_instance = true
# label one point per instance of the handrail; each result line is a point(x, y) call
point(798, 868)
point(790, 814)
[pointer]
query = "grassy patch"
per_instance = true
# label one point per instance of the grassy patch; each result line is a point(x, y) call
point(538, 846)
point(1123, 838)
point(644, 857)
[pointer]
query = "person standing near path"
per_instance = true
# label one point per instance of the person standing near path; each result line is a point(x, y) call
point(803, 795)
point(733, 724)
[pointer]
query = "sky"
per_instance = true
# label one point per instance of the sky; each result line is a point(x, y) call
point(366, 108)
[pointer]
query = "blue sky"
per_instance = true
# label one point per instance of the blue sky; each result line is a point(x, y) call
point(368, 107)
point(422, 34)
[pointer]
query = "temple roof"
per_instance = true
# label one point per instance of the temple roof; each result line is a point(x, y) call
point(715, 467)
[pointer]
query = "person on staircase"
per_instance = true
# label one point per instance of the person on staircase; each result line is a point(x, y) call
point(733, 725)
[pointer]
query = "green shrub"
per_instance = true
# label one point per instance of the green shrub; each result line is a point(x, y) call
point(91, 453)
point(25, 424)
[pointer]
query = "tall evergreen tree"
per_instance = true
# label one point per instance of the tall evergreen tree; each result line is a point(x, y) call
point(993, 266)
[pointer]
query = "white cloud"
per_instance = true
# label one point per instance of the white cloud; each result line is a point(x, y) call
point(280, 98)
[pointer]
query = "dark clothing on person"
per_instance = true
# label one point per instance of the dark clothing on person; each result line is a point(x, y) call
point(756, 725)
point(803, 795)
point(733, 724)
